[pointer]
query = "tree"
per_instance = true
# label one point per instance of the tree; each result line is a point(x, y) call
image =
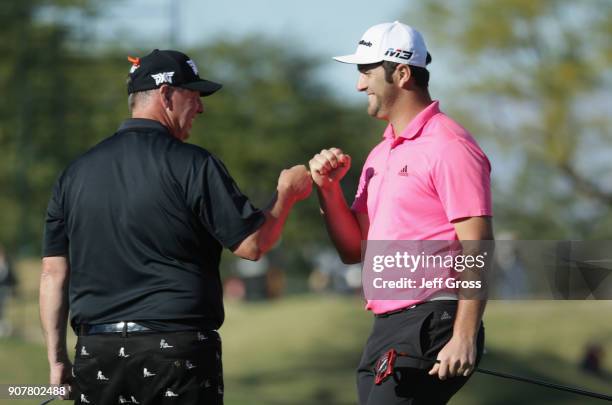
point(533, 76)
point(49, 86)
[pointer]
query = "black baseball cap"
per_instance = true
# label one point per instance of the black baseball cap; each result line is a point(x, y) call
point(167, 67)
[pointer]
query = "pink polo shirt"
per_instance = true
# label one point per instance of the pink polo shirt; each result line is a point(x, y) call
point(413, 187)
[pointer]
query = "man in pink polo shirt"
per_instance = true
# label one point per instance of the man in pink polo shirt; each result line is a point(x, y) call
point(427, 180)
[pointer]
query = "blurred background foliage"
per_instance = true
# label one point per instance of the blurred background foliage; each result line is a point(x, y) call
point(528, 80)
point(61, 98)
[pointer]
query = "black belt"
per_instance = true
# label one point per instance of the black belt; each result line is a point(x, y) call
point(118, 327)
point(404, 309)
point(397, 311)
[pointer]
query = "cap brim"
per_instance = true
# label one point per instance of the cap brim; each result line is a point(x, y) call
point(205, 87)
point(357, 59)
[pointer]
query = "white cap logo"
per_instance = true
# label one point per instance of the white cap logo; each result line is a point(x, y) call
point(395, 42)
point(193, 66)
point(163, 77)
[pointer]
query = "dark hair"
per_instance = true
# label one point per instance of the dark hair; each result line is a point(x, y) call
point(420, 74)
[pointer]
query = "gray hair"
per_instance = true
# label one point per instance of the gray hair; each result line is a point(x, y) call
point(141, 97)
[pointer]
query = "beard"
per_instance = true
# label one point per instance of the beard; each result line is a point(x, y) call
point(379, 104)
point(373, 106)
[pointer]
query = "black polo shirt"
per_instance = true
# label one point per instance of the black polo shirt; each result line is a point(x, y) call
point(143, 218)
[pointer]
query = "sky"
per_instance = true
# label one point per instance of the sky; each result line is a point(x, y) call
point(323, 28)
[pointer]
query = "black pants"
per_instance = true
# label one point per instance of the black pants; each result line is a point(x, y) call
point(422, 331)
point(149, 368)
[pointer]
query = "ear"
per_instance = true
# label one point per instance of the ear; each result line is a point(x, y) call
point(165, 95)
point(403, 74)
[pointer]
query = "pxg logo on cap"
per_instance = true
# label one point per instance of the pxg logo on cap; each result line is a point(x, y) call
point(167, 67)
point(395, 42)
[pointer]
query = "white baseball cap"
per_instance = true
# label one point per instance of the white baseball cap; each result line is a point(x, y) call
point(395, 42)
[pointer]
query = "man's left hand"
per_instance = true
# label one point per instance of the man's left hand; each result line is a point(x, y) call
point(457, 358)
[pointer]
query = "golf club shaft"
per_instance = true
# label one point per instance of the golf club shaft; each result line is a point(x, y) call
point(545, 384)
point(527, 380)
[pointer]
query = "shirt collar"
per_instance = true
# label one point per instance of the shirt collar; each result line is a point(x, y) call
point(142, 123)
point(414, 127)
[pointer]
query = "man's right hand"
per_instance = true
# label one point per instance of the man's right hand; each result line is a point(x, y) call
point(61, 374)
point(296, 182)
point(329, 167)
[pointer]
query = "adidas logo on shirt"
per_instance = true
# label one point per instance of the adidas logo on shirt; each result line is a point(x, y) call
point(404, 171)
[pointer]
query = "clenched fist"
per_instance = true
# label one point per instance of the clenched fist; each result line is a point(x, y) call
point(296, 182)
point(329, 166)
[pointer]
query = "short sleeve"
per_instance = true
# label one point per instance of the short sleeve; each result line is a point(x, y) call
point(55, 238)
point(224, 211)
point(462, 180)
point(360, 204)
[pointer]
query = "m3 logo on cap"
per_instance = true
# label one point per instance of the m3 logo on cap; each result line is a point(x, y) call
point(364, 43)
point(163, 77)
point(398, 53)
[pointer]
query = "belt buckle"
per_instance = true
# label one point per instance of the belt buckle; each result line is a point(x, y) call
point(122, 327)
point(125, 327)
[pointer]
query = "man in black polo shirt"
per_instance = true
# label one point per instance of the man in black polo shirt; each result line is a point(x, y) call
point(133, 238)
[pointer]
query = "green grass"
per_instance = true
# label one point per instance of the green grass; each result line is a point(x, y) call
point(304, 349)
point(301, 350)
point(22, 363)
